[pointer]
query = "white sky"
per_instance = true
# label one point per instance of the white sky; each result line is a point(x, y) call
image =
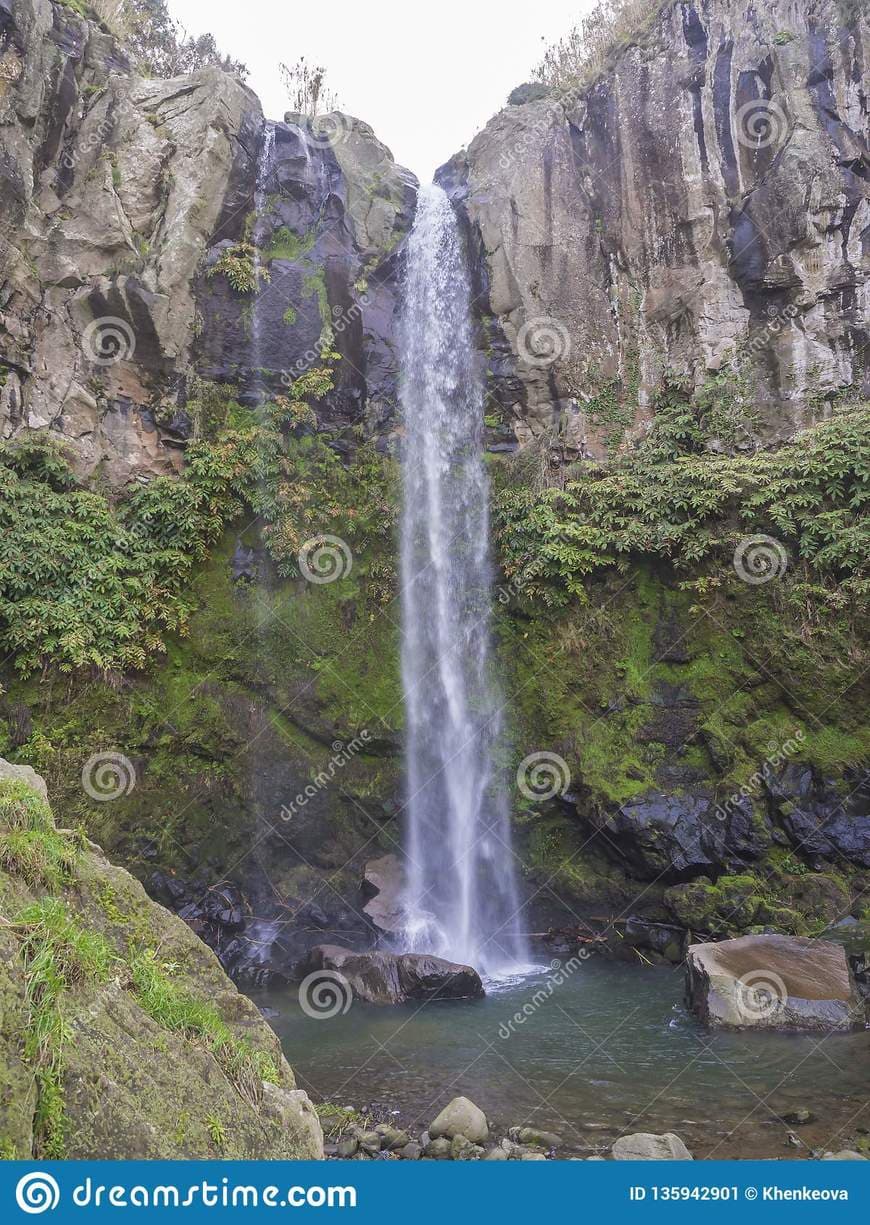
point(426, 77)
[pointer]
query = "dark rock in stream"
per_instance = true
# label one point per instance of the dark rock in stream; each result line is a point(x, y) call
point(677, 836)
point(819, 821)
point(392, 978)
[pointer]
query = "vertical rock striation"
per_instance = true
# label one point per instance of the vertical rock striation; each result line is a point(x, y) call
point(699, 212)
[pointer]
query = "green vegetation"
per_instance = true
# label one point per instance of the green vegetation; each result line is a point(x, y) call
point(107, 582)
point(30, 846)
point(672, 500)
point(58, 953)
point(177, 1010)
point(239, 265)
point(289, 246)
point(591, 46)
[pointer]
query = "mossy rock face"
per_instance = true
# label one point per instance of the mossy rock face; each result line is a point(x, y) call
point(121, 1035)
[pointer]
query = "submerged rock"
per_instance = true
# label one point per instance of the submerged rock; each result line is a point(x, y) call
point(773, 982)
point(644, 1146)
point(391, 978)
point(461, 1117)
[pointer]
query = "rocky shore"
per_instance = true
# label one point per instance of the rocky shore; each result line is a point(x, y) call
point(461, 1132)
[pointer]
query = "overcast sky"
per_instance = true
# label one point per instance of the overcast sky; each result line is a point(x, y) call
point(425, 76)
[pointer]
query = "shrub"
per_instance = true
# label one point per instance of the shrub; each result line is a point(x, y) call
point(672, 500)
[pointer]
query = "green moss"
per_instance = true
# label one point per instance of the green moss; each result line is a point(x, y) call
point(30, 846)
point(57, 952)
point(288, 246)
point(177, 1010)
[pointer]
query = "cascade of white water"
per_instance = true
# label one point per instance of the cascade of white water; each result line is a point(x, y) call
point(461, 896)
point(264, 166)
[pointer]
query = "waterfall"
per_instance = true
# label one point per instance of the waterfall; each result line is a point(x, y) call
point(461, 893)
point(261, 195)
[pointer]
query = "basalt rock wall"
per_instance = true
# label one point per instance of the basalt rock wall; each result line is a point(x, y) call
point(697, 216)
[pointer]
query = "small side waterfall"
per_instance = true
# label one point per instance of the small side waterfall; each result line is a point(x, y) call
point(261, 195)
point(461, 896)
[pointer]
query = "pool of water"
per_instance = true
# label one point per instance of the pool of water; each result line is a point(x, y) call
point(609, 1050)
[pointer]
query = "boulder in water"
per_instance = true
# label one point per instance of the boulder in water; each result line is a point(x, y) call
point(644, 1146)
point(773, 982)
point(461, 1117)
point(392, 978)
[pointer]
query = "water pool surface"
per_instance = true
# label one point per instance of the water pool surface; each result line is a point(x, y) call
point(611, 1050)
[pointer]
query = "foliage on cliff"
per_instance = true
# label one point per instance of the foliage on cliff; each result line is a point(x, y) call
point(672, 500)
point(105, 582)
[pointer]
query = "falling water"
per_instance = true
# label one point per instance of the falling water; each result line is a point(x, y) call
point(461, 896)
point(264, 167)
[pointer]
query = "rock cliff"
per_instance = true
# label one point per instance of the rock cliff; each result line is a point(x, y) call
point(697, 216)
point(120, 193)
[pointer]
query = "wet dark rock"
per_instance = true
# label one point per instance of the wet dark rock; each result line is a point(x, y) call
point(676, 837)
point(391, 978)
point(244, 564)
point(821, 823)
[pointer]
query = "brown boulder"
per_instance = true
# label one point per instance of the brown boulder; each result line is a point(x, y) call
point(773, 982)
